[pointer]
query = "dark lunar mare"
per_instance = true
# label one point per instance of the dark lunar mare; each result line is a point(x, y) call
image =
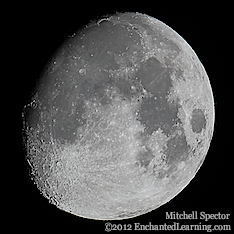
point(177, 150)
point(157, 113)
point(198, 120)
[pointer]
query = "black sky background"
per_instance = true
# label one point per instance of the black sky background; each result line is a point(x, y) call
point(33, 33)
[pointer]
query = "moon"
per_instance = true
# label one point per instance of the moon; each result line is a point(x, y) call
point(120, 120)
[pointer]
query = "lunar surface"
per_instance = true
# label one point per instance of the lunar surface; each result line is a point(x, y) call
point(120, 120)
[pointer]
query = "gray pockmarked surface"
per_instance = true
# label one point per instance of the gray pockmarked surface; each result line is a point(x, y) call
point(120, 120)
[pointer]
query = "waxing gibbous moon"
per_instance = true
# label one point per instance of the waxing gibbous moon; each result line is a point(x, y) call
point(120, 120)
